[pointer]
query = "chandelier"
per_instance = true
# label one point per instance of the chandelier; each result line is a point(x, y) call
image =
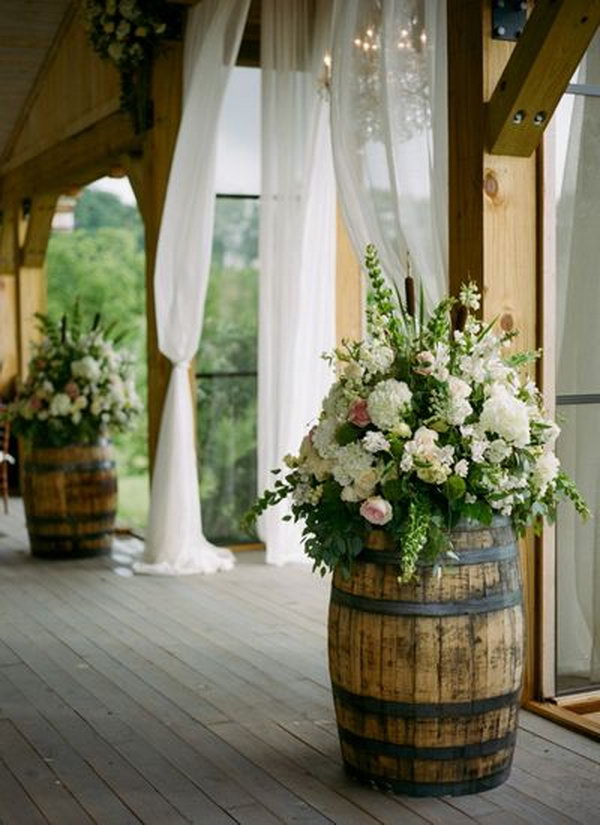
point(390, 71)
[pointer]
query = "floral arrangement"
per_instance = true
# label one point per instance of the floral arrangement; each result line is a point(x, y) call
point(128, 32)
point(430, 421)
point(79, 385)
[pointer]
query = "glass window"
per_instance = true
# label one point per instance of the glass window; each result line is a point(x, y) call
point(577, 183)
point(227, 358)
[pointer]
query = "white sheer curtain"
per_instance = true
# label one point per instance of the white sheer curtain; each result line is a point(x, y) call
point(577, 134)
point(389, 126)
point(175, 543)
point(297, 236)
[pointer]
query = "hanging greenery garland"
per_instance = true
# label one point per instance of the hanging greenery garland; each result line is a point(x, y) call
point(129, 33)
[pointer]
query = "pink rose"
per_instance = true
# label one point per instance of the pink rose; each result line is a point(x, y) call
point(376, 510)
point(35, 403)
point(358, 413)
point(72, 390)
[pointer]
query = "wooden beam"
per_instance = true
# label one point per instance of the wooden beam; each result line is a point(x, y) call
point(33, 253)
point(552, 44)
point(75, 161)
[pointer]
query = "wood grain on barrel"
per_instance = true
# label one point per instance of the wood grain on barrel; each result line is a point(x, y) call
point(426, 676)
point(70, 496)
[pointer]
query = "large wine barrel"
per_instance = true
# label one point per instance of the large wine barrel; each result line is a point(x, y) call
point(70, 496)
point(426, 676)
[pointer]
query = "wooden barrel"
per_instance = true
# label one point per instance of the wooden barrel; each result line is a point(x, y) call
point(426, 676)
point(70, 496)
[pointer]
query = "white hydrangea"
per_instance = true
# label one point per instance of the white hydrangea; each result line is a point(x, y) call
point(323, 438)
point(506, 415)
point(387, 403)
point(351, 463)
point(376, 357)
point(87, 368)
point(60, 404)
point(374, 442)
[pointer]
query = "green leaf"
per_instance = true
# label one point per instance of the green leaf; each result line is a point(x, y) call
point(455, 488)
point(347, 433)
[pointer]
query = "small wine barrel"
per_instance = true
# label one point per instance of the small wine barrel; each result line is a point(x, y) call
point(70, 496)
point(426, 676)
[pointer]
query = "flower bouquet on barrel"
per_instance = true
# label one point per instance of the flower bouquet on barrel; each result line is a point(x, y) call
point(432, 450)
point(79, 389)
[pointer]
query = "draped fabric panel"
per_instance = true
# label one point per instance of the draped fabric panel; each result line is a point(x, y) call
point(389, 128)
point(297, 238)
point(175, 543)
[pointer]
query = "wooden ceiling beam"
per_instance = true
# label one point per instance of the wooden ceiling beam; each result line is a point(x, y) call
point(552, 44)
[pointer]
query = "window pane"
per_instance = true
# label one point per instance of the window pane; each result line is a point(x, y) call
point(226, 398)
point(238, 152)
point(578, 558)
point(577, 125)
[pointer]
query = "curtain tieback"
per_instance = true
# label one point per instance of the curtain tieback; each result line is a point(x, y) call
point(181, 365)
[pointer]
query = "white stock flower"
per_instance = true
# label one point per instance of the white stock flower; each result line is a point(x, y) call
point(461, 468)
point(458, 408)
point(506, 415)
point(387, 402)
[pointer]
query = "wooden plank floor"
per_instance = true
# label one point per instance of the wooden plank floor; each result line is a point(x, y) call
point(127, 699)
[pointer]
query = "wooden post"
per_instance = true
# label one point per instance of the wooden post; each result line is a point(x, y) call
point(32, 283)
point(149, 175)
point(9, 261)
point(493, 213)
